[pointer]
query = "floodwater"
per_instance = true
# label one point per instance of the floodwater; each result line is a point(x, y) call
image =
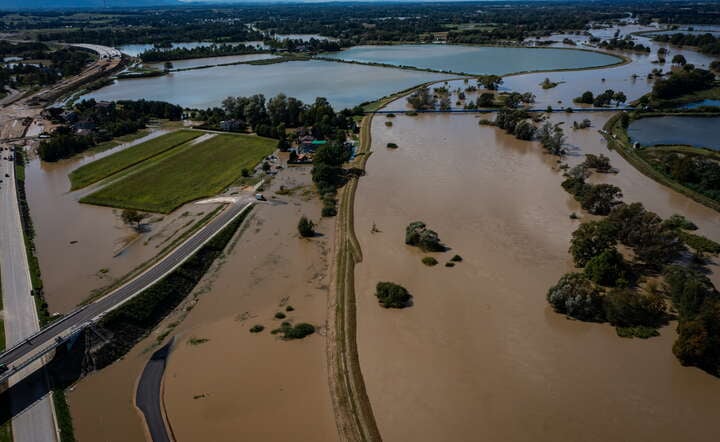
point(82, 247)
point(344, 85)
point(237, 385)
point(476, 59)
point(692, 131)
point(703, 103)
point(212, 61)
point(480, 351)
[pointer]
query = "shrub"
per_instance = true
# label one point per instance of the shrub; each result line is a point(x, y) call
point(289, 308)
point(629, 308)
point(391, 295)
point(456, 258)
point(679, 222)
point(429, 261)
point(388, 123)
point(392, 145)
point(279, 315)
point(449, 264)
point(417, 234)
point(638, 331)
point(575, 296)
point(257, 328)
point(306, 228)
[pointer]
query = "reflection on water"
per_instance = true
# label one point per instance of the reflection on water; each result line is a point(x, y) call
point(344, 85)
point(475, 59)
point(692, 131)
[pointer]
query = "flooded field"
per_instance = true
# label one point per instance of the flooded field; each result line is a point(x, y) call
point(480, 350)
point(212, 61)
point(693, 131)
point(248, 386)
point(475, 59)
point(91, 242)
point(344, 85)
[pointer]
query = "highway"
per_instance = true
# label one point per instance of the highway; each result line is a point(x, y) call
point(36, 423)
point(148, 396)
point(33, 348)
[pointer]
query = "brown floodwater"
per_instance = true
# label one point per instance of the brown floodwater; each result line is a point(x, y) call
point(237, 385)
point(480, 351)
point(82, 247)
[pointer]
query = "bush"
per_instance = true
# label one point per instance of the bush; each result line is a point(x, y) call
point(429, 261)
point(391, 295)
point(392, 145)
point(388, 124)
point(306, 228)
point(575, 296)
point(279, 315)
point(629, 308)
point(289, 308)
point(417, 234)
point(608, 269)
point(456, 258)
point(257, 328)
point(449, 264)
point(299, 331)
point(639, 331)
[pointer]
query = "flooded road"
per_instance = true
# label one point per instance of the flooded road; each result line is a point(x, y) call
point(480, 351)
point(232, 384)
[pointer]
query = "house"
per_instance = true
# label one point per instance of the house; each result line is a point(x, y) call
point(84, 127)
point(232, 125)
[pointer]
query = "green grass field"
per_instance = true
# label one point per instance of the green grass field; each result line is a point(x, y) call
point(187, 174)
point(110, 165)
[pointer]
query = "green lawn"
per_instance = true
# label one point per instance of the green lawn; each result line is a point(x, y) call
point(187, 174)
point(105, 167)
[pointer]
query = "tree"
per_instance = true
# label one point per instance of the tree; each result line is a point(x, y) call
point(133, 218)
point(391, 295)
point(552, 138)
point(524, 130)
point(490, 82)
point(575, 296)
point(586, 98)
point(608, 269)
point(599, 199)
point(653, 243)
point(629, 308)
point(168, 65)
point(679, 59)
point(591, 239)
point(417, 234)
point(619, 97)
point(486, 99)
point(306, 227)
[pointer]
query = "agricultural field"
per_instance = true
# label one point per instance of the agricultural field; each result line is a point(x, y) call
point(110, 165)
point(188, 173)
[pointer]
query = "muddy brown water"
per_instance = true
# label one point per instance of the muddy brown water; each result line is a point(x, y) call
point(480, 352)
point(237, 385)
point(82, 247)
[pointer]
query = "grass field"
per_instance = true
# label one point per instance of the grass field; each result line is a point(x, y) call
point(189, 173)
point(105, 167)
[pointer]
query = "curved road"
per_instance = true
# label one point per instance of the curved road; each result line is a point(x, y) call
point(148, 396)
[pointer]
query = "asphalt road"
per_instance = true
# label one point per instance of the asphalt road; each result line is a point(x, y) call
point(36, 423)
point(80, 318)
point(148, 397)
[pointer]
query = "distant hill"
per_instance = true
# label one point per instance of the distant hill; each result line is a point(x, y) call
point(62, 4)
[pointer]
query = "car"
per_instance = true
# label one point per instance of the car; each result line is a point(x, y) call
point(260, 197)
point(7, 175)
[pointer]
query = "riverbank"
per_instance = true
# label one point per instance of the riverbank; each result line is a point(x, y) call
point(618, 139)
